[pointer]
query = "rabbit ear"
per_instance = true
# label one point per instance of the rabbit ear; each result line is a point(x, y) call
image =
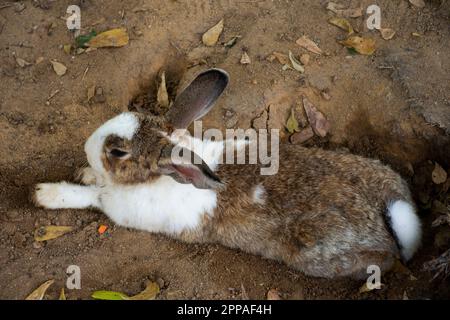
point(189, 168)
point(198, 98)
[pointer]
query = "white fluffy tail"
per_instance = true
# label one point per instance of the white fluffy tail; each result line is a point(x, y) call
point(406, 226)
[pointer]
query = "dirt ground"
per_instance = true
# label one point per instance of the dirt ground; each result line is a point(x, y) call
point(393, 105)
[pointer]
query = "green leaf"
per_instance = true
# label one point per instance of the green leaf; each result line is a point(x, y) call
point(82, 40)
point(292, 123)
point(109, 295)
point(230, 43)
point(352, 51)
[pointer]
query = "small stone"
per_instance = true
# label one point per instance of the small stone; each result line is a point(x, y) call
point(231, 122)
point(160, 282)
point(302, 136)
point(14, 216)
point(325, 95)
point(99, 96)
point(273, 294)
point(9, 228)
point(261, 121)
point(19, 239)
point(229, 113)
point(37, 245)
point(19, 6)
point(442, 238)
point(439, 175)
point(305, 58)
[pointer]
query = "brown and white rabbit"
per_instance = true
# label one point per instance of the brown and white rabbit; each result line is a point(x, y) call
point(325, 213)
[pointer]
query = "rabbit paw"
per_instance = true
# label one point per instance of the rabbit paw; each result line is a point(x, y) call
point(65, 195)
point(48, 195)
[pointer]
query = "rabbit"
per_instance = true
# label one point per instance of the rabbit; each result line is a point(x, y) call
point(325, 213)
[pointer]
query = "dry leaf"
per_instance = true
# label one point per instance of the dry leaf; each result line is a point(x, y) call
point(342, 23)
point(292, 123)
point(211, 36)
point(417, 3)
point(399, 267)
point(340, 11)
point(295, 63)
point(308, 44)
point(51, 232)
point(67, 48)
point(162, 96)
point(22, 63)
point(387, 33)
point(39, 293)
point(62, 295)
point(439, 175)
point(245, 59)
point(230, 43)
point(39, 60)
point(282, 58)
point(149, 293)
point(444, 219)
point(273, 294)
point(317, 120)
point(59, 68)
point(244, 294)
point(90, 93)
point(111, 38)
point(364, 46)
point(364, 288)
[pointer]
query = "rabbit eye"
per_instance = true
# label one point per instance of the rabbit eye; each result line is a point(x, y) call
point(118, 153)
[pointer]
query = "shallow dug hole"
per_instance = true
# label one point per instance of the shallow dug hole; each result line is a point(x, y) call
point(369, 110)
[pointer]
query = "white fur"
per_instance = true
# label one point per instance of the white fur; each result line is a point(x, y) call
point(259, 194)
point(162, 206)
point(125, 125)
point(65, 195)
point(406, 225)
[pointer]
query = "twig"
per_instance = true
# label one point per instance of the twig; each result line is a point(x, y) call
point(6, 5)
point(85, 72)
point(440, 265)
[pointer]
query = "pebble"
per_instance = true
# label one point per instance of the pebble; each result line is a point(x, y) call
point(160, 282)
point(325, 95)
point(305, 58)
point(14, 216)
point(9, 228)
point(37, 245)
point(99, 96)
point(302, 136)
